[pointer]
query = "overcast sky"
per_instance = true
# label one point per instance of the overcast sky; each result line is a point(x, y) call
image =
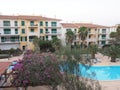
point(104, 12)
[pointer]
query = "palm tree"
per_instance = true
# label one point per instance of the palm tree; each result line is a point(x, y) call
point(93, 48)
point(36, 41)
point(56, 43)
point(113, 34)
point(83, 32)
point(70, 36)
point(112, 51)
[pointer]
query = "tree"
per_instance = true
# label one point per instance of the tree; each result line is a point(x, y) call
point(70, 61)
point(36, 41)
point(70, 36)
point(56, 43)
point(83, 32)
point(36, 70)
point(93, 48)
point(42, 45)
point(112, 51)
point(113, 34)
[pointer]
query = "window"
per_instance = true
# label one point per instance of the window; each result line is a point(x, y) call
point(31, 23)
point(23, 39)
point(41, 23)
point(31, 38)
point(103, 30)
point(16, 31)
point(32, 30)
point(14, 39)
point(103, 36)
point(23, 31)
point(47, 31)
point(46, 37)
point(89, 30)
point(54, 31)
point(22, 23)
point(41, 30)
point(46, 23)
point(15, 23)
point(54, 24)
point(103, 42)
point(54, 36)
point(75, 30)
point(6, 23)
point(7, 31)
point(3, 39)
point(42, 37)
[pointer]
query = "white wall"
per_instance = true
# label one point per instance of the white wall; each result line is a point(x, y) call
point(7, 46)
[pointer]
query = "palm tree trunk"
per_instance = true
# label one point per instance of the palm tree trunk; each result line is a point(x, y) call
point(25, 88)
point(93, 56)
point(113, 59)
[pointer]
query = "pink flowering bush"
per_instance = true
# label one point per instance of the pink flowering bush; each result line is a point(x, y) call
point(36, 69)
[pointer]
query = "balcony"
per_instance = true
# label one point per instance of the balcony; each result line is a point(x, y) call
point(10, 41)
point(102, 39)
point(33, 34)
point(89, 32)
point(33, 25)
point(53, 33)
point(91, 40)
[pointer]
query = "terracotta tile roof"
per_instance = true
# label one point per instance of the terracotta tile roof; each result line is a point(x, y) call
point(4, 66)
point(28, 17)
point(77, 25)
point(90, 25)
point(69, 25)
point(113, 26)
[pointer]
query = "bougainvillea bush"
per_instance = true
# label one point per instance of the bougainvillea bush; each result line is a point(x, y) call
point(36, 69)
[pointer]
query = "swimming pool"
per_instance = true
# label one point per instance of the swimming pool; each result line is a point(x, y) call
point(101, 72)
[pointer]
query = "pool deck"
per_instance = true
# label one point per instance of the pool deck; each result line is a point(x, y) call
point(105, 61)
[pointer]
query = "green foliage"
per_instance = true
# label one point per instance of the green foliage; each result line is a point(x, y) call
point(113, 34)
point(35, 70)
point(70, 36)
point(47, 45)
point(12, 51)
point(71, 81)
point(112, 51)
point(93, 48)
point(83, 32)
point(36, 41)
point(56, 43)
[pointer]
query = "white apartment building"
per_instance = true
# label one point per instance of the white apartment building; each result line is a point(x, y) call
point(19, 31)
point(9, 34)
point(65, 27)
point(97, 34)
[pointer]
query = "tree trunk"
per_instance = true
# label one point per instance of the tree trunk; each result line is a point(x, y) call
point(93, 56)
point(113, 59)
point(25, 88)
point(54, 88)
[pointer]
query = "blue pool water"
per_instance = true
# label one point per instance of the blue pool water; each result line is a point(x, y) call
point(101, 72)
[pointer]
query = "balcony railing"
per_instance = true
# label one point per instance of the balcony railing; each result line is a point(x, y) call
point(10, 41)
point(54, 32)
point(6, 24)
point(7, 32)
point(33, 25)
point(91, 39)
